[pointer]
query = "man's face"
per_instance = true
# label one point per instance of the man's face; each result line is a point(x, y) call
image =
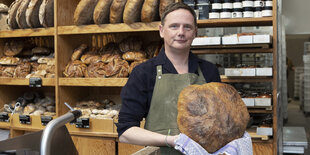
point(179, 29)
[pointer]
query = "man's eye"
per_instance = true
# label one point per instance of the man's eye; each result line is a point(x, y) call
point(173, 26)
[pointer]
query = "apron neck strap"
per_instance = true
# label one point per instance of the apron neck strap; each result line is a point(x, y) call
point(159, 70)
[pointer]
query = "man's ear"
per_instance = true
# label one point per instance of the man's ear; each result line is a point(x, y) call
point(161, 33)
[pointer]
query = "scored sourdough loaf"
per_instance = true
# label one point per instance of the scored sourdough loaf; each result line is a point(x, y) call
point(116, 11)
point(46, 13)
point(21, 14)
point(212, 114)
point(32, 13)
point(11, 20)
point(132, 11)
point(102, 11)
point(83, 13)
point(150, 11)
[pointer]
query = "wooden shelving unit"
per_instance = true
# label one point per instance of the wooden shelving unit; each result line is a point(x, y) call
point(66, 37)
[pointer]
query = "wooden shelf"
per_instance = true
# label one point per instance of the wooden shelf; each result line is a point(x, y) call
point(27, 32)
point(25, 82)
point(231, 51)
point(235, 22)
point(107, 82)
point(94, 134)
point(5, 125)
point(108, 28)
point(259, 111)
point(153, 26)
point(245, 79)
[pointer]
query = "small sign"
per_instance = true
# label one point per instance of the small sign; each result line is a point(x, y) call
point(46, 119)
point(35, 82)
point(24, 119)
point(82, 123)
point(4, 117)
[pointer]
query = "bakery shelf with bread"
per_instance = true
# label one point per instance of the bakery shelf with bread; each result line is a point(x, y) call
point(23, 58)
point(28, 17)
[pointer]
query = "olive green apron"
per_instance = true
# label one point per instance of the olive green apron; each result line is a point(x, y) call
point(163, 111)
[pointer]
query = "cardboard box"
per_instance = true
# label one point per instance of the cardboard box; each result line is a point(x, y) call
point(249, 102)
point(230, 40)
point(264, 71)
point(248, 39)
point(263, 102)
point(200, 41)
point(261, 39)
point(239, 71)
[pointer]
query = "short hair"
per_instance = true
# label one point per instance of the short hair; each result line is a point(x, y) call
point(176, 6)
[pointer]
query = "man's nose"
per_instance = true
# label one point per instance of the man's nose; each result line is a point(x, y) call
point(181, 31)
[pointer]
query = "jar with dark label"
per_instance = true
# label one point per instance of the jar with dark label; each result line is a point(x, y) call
point(226, 13)
point(248, 3)
point(267, 11)
point(203, 10)
point(189, 2)
point(237, 13)
point(237, 4)
point(258, 12)
point(227, 4)
point(202, 1)
point(214, 14)
point(268, 3)
point(248, 12)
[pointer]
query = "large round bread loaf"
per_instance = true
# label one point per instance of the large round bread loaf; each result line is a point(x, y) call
point(212, 114)
point(132, 11)
point(32, 13)
point(83, 13)
point(116, 11)
point(102, 11)
point(150, 11)
point(46, 13)
point(21, 14)
point(11, 20)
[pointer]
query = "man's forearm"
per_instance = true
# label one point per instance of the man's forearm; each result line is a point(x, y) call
point(139, 136)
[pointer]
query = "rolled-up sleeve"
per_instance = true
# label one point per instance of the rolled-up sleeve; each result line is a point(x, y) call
point(134, 101)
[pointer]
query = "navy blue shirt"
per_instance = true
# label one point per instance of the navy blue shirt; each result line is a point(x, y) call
point(137, 94)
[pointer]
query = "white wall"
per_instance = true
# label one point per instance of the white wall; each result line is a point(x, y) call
point(296, 16)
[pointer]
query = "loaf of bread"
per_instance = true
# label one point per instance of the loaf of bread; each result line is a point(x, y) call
point(11, 20)
point(124, 69)
point(110, 51)
point(116, 68)
point(75, 69)
point(90, 58)
point(163, 4)
point(132, 43)
point(10, 60)
point(134, 55)
point(32, 13)
point(152, 49)
point(8, 71)
point(116, 11)
point(46, 13)
point(78, 52)
point(83, 13)
point(96, 70)
point(150, 11)
point(21, 14)
point(22, 70)
point(41, 50)
point(135, 63)
point(212, 114)
point(102, 11)
point(132, 11)
point(13, 48)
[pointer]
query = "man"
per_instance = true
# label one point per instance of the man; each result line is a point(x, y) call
point(153, 87)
